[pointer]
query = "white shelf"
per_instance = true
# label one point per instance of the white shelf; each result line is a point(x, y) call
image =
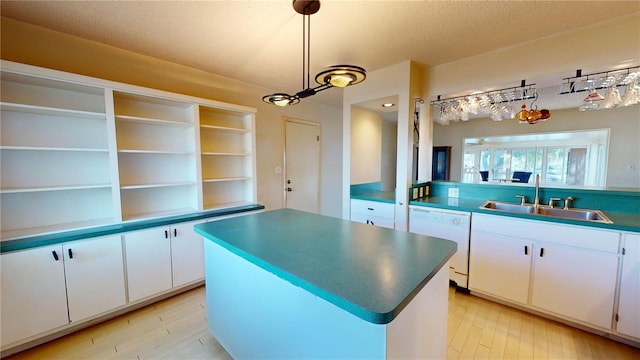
point(159, 152)
point(224, 154)
point(44, 110)
point(11, 234)
point(151, 121)
point(154, 214)
point(40, 148)
point(240, 178)
point(224, 129)
point(158, 185)
point(223, 205)
point(14, 190)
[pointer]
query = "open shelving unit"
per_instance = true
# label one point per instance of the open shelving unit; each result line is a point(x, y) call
point(80, 152)
point(55, 156)
point(156, 156)
point(227, 140)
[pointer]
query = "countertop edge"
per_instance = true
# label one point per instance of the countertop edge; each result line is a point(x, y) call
point(29, 242)
point(473, 205)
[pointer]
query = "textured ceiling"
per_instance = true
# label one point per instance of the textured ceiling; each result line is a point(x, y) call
point(260, 42)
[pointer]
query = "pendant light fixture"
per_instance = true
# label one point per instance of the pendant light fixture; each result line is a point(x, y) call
point(335, 76)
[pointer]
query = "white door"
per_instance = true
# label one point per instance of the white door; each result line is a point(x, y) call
point(34, 299)
point(148, 254)
point(302, 165)
point(95, 276)
point(629, 307)
point(187, 254)
point(573, 282)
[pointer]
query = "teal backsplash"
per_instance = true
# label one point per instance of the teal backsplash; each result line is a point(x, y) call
point(626, 200)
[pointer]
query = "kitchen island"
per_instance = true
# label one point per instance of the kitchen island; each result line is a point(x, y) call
point(289, 284)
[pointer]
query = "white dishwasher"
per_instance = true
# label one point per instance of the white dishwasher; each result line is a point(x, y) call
point(446, 224)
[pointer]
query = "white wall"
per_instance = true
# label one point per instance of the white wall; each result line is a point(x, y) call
point(366, 146)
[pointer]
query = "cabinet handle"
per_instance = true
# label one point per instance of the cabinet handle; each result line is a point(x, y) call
point(526, 250)
point(166, 234)
point(372, 223)
point(175, 232)
point(70, 254)
point(370, 208)
point(55, 255)
point(541, 252)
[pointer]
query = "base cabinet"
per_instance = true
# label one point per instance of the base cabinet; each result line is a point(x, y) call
point(628, 313)
point(566, 271)
point(500, 265)
point(162, 258)
point(34, 299)
point(576, 283)
point(148, 258)
point(187, 255)
point(49, 287)
point(94, 271)
point(373, 213)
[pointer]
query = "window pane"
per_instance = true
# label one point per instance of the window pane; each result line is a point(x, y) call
point(556, 165)
point(501, 161)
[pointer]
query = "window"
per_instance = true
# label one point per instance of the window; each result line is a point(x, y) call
point(574, 158)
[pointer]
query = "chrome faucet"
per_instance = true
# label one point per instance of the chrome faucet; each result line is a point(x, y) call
point(566, 202)
point(536, 200)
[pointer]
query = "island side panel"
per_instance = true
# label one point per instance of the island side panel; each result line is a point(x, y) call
point(255, 314)
point(420, 330)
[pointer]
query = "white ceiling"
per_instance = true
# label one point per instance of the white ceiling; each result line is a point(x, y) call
point(260, 42)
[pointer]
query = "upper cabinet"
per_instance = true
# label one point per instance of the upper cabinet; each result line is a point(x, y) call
point(80, 152)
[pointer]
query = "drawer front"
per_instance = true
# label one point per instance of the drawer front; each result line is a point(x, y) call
point(373, 220)
point(373, 208)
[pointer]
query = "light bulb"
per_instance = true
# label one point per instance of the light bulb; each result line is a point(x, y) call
point(341, 80)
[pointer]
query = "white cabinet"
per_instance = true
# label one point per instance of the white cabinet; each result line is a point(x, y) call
point(94, 271)
point(575, 283)
point(148, 259)
point(500, 265)
point(187, 254)
point(162, 258)
point(54, 146)
point(373, 213)
point(33, 293)
point(564, 270)
point(628, 313)
point(47, 287)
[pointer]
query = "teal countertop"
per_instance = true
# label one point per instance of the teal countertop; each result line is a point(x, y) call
point(621, 221)
point(368, 271)
point(379, 196)
point(79, 234)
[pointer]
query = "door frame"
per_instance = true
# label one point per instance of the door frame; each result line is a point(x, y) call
point(286, 119)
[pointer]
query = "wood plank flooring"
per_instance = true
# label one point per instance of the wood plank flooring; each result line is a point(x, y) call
point(478, 329)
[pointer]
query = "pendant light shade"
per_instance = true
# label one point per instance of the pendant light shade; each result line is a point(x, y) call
point(281, 99)
point(341, 75)
point(335, 76)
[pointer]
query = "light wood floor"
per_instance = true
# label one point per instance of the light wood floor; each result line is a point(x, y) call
point(478, 329)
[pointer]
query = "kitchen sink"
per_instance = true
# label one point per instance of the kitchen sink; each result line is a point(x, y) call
point(576, 214)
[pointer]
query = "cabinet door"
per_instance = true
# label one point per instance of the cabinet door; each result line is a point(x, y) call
point(187, 254)
point(33, 293)
point(575, 283)
point(95, 276)
point(629, 305)
point(500, 266)
point(148, 259)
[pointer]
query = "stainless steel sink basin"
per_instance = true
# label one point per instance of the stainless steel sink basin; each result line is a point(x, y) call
point(508, 207)
point(576, 214)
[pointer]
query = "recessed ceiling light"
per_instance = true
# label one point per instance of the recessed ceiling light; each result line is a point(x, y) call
point(388, 105)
